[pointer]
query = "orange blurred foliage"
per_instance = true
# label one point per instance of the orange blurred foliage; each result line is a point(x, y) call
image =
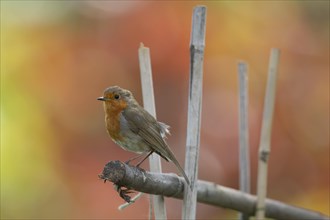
point(59, 56)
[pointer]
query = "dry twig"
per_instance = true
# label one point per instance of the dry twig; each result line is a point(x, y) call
point(171, 185)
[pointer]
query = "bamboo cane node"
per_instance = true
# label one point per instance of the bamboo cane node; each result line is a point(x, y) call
point(196, 49)
point(264, 156)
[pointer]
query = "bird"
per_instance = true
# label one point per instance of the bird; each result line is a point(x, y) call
point(133, 128)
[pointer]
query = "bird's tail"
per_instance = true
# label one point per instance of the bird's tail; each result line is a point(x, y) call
point(178, 166)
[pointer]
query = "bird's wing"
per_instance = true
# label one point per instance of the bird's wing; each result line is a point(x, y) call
point(146, 126)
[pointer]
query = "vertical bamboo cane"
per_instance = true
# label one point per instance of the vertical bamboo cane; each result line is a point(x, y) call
point(264, 147)
point(149, 105)
point(197, 45)
point(244, 152)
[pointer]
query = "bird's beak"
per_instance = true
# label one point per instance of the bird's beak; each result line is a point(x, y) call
point(101, 98)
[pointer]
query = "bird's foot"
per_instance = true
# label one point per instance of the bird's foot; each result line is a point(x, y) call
point(123, 191)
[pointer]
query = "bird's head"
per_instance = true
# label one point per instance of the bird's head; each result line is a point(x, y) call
point(116, 98)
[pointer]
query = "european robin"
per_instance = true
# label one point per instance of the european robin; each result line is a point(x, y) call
point(133, 128)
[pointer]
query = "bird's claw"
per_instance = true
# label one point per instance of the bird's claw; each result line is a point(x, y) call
point(123, 193)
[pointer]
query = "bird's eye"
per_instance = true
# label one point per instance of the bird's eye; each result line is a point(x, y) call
point(116, 96)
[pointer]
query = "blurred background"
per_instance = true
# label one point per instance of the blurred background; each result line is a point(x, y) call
point(57, 57)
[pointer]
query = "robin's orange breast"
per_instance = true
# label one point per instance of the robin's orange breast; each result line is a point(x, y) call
point(113, 126)
point(112, 118)
point(121, 134)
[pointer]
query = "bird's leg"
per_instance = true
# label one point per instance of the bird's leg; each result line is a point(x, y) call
point(138, 165)
point(134, 158)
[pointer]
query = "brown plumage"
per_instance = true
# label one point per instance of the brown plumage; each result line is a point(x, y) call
point(133, 128)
